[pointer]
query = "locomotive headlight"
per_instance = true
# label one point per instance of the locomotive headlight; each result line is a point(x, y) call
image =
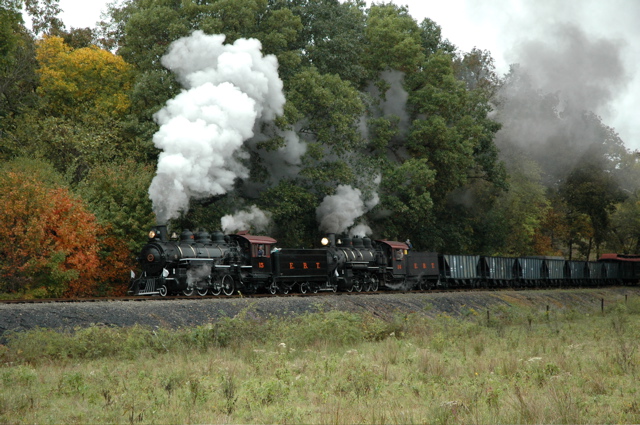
point(152, 234)
point(324, 241)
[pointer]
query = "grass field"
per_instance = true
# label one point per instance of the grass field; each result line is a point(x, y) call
point(511, 366)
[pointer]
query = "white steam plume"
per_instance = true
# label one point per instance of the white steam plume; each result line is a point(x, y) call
point(360, 230)
point(255, 219)
point(338, 212)
point(228, 89)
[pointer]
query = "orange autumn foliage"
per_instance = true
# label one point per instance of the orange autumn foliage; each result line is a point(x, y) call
point(47, 238)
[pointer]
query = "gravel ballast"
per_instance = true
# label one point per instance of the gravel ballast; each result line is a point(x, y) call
point(180, 313)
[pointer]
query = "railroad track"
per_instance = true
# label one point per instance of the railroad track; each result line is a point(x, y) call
point(267, 295)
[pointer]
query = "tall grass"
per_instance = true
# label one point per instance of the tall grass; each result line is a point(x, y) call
point(513, 366)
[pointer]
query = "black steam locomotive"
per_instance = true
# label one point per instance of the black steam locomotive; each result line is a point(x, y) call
point(215, 263)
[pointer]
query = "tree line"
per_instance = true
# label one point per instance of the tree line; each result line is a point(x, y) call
point(381, 102)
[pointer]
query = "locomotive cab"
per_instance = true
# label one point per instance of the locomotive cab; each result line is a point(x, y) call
point(255, 268)
point(396, 267)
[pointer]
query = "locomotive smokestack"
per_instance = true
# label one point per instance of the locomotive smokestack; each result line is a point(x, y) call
point(160, 231)
point(332, 239)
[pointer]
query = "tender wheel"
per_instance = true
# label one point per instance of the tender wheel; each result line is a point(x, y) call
point(273, 288)
point(227, 285)
point(285, 290)
point(304, 288)
point(314, 289)
point(163, 291)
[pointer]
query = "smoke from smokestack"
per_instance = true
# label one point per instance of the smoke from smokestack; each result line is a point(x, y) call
point(586, 72)
point(339, 212)
point(360, 230)
point(549, 105)
point(228, 90)
point(255, 219)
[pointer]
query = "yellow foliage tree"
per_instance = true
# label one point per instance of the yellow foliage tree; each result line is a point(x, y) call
point(89, 80)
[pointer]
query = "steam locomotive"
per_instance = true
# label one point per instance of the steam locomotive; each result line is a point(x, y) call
point(217, 264)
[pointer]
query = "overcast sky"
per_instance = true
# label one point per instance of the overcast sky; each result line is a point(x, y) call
point(514, 30)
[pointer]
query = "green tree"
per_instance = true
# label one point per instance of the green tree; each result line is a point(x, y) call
point(44, 16)
point(624, 236)
point(293, 213)
point(406, 191)
point(17, 66)
point(329, 108)
point(431, 35)
point(477, 69)
point(117, 193)
point(516, 216)
point(332, 37)
point(592, 191)
point(452, 132)
point(393, 39)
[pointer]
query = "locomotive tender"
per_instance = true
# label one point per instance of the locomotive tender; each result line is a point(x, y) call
point(215, 263)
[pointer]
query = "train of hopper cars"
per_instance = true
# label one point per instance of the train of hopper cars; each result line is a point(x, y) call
point(215, 264)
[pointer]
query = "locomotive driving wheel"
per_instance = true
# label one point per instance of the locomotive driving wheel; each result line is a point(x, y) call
point(216, 288)
point(357, 286)
point(202, 291)
point(188, 292)
point(227, 285)
point(374, 284)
